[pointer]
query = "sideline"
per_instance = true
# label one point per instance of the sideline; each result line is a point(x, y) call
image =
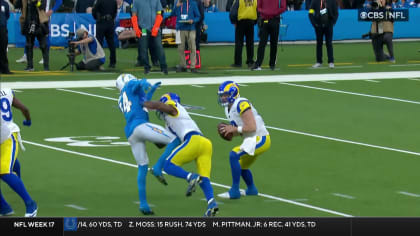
point(218, 80)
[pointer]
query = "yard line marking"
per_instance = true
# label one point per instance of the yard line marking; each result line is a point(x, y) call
point(327, 82)
point(373, 81)
point(409, 194)
point(76, 207)
point(343, 195)
point(415, 79)
point(80, 154)
point(107, 88)
point(217, 80)
point(281, 129)
point(352, 93)
point(198, 86)
point(215, 184)
point(88, 94)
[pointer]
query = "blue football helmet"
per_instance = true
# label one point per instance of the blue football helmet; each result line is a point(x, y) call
point(170, 96)
point(228, 93)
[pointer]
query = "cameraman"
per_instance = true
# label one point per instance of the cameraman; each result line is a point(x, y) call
point(381, 32)
point(89, 46)
point(34, 23)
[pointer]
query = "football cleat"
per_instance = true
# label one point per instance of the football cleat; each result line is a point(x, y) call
point(31, 209)
point(160, 177)
point(146, 211)
point(212, 208)
point(231, 194)
point(228, 93)
point(193, 180)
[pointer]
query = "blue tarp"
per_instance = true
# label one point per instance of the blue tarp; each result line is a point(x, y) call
point(295, 27)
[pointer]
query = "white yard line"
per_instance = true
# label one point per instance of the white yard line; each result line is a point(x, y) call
point(219, 80)
point(76, 207)
point(327, 82)
point(351, 93)
point(197, 86)
point(415, 79)
point(373, 81)
point(408, 194)
point(343, 195)
point(215, 184)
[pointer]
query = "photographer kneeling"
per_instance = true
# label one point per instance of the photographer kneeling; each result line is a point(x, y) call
point(93, 53)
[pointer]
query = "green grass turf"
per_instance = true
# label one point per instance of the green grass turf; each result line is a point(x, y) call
point(216, 61)
point(297, 167)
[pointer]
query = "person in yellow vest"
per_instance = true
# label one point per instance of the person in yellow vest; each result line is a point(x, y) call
point(243, 15)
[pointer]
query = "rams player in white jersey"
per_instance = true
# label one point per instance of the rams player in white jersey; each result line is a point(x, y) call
point(246, 122)
point(10, 140)
point(194, 147)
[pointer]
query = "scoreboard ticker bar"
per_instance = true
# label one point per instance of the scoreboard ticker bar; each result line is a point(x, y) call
point(322, 226)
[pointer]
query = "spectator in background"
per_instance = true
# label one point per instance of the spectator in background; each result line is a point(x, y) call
point(293, 5)
point(93, 53)
point(51, 7)
point(243, 14)
point(4, 16)
point(381, 32)
point(83, 6)
point(323, 15)
point(105, 12)
point(269, 25)
point(199, 24)
point(147, 16)
point(210, 6)
point(34, 23)
point(187, 15)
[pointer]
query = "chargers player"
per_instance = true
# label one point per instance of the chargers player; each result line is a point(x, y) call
point(9, 165)
point(245, 121)
point(138, 130)
point(194, 147)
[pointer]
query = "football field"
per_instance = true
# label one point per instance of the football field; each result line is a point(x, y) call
point(339, 148)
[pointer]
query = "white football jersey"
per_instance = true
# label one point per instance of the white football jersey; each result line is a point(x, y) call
point(234, 116)
point(6, 109)
point(181, 124)
point(5, 131)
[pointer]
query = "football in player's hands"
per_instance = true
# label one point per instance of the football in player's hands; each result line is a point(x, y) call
point(221, 131)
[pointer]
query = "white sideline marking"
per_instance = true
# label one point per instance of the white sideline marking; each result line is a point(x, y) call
point(197, 86)
point(351, 93)
point(327, 82)
point(415, 79)
point(343, 195)
point(219, 80)
point(215, 184)
point(409, 194)
point(280, 129)
point(76, 207)
point(106, 88)
point(373, 81)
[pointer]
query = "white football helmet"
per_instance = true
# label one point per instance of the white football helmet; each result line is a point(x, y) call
point(123, 79)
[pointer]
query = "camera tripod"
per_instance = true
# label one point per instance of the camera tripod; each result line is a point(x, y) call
point(70, 63)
